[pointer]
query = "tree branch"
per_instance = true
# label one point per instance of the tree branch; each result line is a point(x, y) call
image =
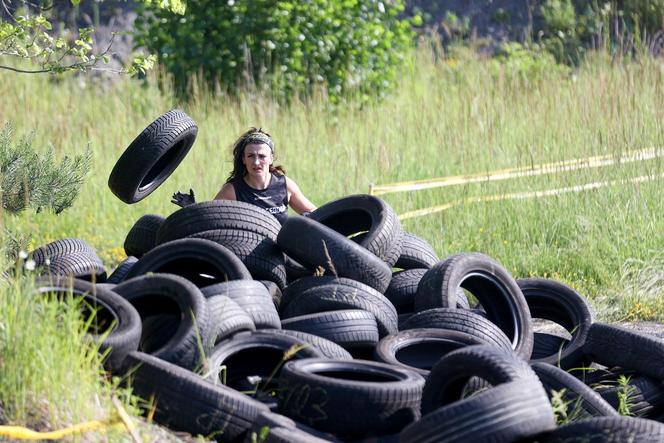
point(23, 71)
point(58, 68)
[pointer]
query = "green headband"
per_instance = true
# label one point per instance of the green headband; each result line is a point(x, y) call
point(257, 138)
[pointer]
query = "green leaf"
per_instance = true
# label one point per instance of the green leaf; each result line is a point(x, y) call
point(43, 22)
point(359, 40)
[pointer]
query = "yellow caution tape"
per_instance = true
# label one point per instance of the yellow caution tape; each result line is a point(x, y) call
point(22, 433)
point(121, 419)
point(526, 195)
point(526, 171)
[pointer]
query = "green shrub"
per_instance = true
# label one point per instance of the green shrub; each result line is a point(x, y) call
point(286, 47)
point(32, 179)
point(569, 27)
point(558, 16)
point(456, 27)
point(562, 34)
point(529, 63)
point(647, 15)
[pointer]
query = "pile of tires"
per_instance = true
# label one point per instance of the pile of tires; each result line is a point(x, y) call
point(343, 327)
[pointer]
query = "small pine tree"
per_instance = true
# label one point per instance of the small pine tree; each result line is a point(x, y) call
point(32, 179)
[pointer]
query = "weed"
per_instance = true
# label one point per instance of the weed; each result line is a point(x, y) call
point(565, 411)
point(625, 395)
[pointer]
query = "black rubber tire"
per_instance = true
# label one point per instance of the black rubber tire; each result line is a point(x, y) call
point(546, 345)
point(349, 328)
point(60, 248)
point(153, 156)
point(156, 295)
point(314, 244)
point(158, 330)
point(295, 270)
point(105, 285)
point(598, 376)
point(274, 291)
point(606, 429)
point(386, 438)
point(611, 345)
point(270, 427)
point(373, 217)
point(226, 318)
point(326, 347)
point(582, 401)
point(491, 284)
point(121, 271)
point(202, 262)
point(319, 294)
point(252, 296)
point(510, 412)
point(261, 255)
point(420, 349)
point(402, 289)
point(462, 300)
point(350, 398)
point(259, 354)
point(280, 434)
point(218, 214)
point(554, 301)
point(112, 312)
point(143, 235)
point(82, 265)
point(449, 376)
point(416, 253)
point(646, 396)
point(459, 320)
point(403, 318)
point(186, 402)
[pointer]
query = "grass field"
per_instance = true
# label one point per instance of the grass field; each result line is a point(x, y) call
point(454, 116)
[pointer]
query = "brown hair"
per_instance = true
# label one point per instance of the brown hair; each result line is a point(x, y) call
point(239, 170)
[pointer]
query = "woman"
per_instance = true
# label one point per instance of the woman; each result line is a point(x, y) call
point(254, 179)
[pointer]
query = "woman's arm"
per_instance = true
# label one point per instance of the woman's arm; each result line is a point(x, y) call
point(296, 198)
point(227, 192)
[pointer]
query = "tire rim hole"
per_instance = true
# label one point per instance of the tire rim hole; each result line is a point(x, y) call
point(495, 299)
point(164, 166)
point(426, 354)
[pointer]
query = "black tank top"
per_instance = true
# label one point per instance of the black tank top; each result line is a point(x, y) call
point(274, 198)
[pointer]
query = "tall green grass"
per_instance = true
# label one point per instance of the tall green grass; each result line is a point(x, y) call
point(450, 116)
point(50, 374)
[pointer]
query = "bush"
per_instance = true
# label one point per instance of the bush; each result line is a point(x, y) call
point(284, 47)
point(558, 15)
point(569, 27)
point(531, 64)
point(647, 15)
point(32, 179)
point(564, 33)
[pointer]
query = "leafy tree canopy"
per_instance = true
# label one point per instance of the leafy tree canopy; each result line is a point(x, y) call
point(26, 33)
point(285, 47)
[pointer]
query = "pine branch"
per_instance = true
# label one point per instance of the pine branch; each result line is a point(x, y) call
point(37, 180)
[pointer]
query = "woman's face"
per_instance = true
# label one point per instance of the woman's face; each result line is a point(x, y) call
point(257, 158)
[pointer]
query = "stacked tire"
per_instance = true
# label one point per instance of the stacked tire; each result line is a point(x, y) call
point(350, 351)
point(69, 257)
point(341, 326)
